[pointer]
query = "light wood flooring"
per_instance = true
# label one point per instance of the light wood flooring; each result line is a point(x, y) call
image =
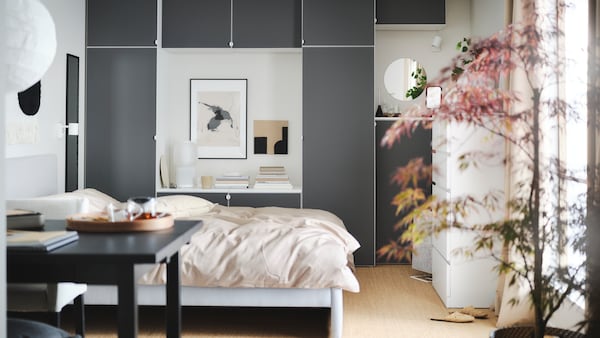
point(390, 304)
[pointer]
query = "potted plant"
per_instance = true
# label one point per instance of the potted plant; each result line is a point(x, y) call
point(420, 78)
point(539, 226)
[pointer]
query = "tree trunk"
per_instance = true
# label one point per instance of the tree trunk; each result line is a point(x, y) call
point(535, 219)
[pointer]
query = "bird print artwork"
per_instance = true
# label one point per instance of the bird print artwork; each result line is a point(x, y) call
point(219, 115)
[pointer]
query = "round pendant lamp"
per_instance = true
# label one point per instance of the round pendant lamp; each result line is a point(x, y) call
point(30, 43)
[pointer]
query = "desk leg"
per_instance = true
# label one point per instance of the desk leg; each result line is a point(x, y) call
point(173, 297)
point(127, 307)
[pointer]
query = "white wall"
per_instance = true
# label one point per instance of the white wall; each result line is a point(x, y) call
point(487, 17)
point(69, 19)
point(416, 44)
point(274, 93)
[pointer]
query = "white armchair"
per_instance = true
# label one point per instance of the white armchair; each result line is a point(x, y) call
point(54, 297)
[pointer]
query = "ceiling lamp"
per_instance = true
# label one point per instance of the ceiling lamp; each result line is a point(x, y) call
point(30, 43)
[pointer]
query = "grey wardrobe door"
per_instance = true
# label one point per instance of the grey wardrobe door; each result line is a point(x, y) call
point(121, 23)
point(338, 152)
point(411, 12)
point(388, 160)
point(121, 121)
point(196, 23)
point(338, 22)
point(267, 23)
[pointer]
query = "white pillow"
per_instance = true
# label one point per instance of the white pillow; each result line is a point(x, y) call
point(52, 207)
point(98, 200)
point(184, 205)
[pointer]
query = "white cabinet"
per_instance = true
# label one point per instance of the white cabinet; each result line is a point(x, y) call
point(460, 280)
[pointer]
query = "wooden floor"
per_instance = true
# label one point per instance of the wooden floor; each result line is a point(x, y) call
point(390, 304)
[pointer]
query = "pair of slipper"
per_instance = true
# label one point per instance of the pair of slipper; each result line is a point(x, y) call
point(464, 315)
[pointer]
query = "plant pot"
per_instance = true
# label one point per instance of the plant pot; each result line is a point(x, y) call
point(527, 332)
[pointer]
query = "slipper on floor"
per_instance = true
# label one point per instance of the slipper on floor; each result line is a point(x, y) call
point(456, 317)
point(471, 311)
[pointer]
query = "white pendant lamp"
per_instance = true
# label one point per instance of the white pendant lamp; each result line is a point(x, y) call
point(30, 43)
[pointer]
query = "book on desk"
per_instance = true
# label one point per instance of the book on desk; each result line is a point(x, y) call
point(24, 219)
point(26, 240)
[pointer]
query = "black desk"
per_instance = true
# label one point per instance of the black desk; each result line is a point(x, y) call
point(109, 258)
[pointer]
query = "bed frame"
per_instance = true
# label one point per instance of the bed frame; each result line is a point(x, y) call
point(234, 297)
point(26, 180)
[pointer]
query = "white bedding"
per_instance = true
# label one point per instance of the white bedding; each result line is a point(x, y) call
point(267, 248)
point(242, 247)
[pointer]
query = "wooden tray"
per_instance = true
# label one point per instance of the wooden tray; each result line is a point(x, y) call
point(97, 222)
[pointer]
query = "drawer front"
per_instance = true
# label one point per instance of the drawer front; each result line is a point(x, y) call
point(286, 200)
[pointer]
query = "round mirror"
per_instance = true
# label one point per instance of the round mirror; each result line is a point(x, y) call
point(405, 79)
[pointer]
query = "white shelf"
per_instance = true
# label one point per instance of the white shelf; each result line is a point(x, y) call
point(295, 190)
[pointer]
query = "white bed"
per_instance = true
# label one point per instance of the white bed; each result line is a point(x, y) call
point(303, 285)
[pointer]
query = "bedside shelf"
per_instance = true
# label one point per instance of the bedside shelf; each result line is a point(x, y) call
point(250, 190)
point(290, 198)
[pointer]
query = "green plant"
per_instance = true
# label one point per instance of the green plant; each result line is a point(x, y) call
point(540, 225)
point(420, 83)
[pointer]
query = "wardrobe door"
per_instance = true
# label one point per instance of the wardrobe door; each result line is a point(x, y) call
point(121, 121)
point(196, 23)
point(337, 122)
point(267, 23)
point(121, 23)
point(338, 22)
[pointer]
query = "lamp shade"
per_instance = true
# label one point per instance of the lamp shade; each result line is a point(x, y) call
point(30, 43)
point(184, 154)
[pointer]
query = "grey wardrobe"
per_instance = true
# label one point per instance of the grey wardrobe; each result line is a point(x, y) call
point(337, 118)
point(120, 155)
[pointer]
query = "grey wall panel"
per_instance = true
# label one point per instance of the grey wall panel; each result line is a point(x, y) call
point(411, 12)
point(121, 23)
point(196, 23)
point(121, 121)
point(388, 160)
point(72, 116)
point(338, 22)
point(267, 23)
point(338, 150)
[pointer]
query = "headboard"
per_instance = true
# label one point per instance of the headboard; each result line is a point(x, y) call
point(31, 176)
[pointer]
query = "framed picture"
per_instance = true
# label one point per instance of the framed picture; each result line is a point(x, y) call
point(218, 114)
point(271, 137)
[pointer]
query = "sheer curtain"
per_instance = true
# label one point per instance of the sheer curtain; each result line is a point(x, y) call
point(517, 11)
point(563, 137)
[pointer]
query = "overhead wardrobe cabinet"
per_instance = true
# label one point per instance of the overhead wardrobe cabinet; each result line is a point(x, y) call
point(337, 118)
point(422, 12)
point(120, 156)
point(236, 23)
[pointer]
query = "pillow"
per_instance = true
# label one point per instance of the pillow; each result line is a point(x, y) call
point(98, 200)
point(52, 207)
point(183, 205)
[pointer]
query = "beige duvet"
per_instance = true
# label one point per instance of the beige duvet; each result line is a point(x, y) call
point(267, 248)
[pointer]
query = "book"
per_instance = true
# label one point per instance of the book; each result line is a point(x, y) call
point(23, 240)
point(24, 219)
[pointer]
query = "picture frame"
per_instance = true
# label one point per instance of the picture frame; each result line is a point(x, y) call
point(218, 117)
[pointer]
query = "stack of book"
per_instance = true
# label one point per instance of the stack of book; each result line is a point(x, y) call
point(272, 177)
point(231, 181)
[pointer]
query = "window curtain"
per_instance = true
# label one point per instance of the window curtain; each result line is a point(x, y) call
point(553, 146)
point(517, 11)
point(593, 198)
